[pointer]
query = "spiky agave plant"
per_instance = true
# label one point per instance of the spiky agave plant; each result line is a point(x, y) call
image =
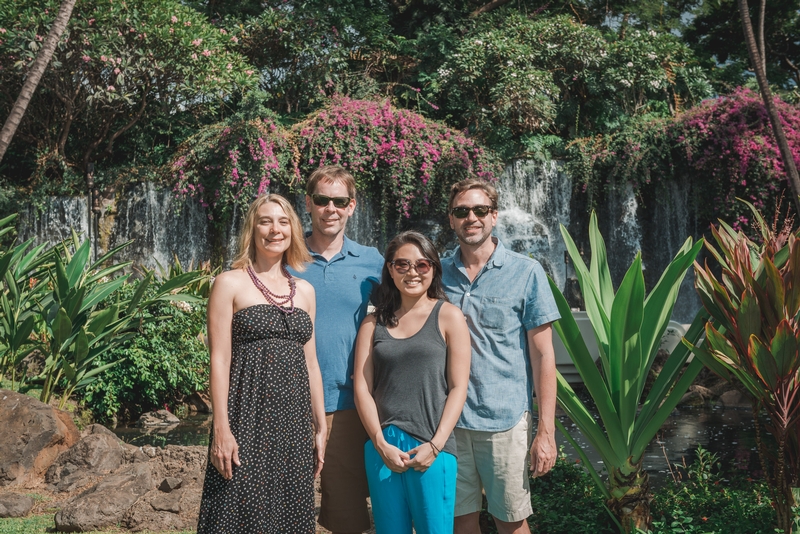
point(628, 327)
point(754, 340)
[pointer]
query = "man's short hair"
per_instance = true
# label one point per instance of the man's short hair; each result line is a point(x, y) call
point(472, 183)
point(331, 173)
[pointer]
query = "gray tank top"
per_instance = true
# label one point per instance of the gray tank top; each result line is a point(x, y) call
point(410, 380)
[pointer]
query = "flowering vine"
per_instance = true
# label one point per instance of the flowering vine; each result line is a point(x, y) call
point(725, 146)
point(398, 157)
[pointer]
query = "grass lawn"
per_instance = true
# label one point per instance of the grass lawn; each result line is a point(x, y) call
point(40, 524)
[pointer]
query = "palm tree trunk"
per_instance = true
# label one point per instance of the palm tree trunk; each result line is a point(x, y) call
point(630, 497)
point(777, 128)
point(35, 75)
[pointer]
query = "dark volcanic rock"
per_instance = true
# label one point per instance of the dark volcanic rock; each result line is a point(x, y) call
point(15, 505)
point(33, 436)
point(106, 503)
point(159, 418)
point(98, 453)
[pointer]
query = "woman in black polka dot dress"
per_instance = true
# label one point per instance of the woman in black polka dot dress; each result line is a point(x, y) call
point(268, 434)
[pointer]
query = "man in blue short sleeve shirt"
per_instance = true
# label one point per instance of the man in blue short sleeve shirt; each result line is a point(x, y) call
point(509, 307)
point(343, 274)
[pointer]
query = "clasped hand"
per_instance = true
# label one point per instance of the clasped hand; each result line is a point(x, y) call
point(419, 458)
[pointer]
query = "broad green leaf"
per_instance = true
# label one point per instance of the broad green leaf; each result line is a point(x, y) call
point(651, 427)
point(773, 284)
point(578, 413)
point(107, 271)
point(98, 322)
point(61, 280)
point(748, 317)
point(62, 327)
point(144, 283)
point(567, 329)
point(101, 291)
point(672, 368)
point(77, 264)
point(660, 302)
point(594, 310)
point(723, 345)
point(178, 282)
point(601, 275)
point(586, 462)
point(108, 255)
point(625, 354)
point(23, 332)
point(763, 363)
point(81, 347)
point(785, 350)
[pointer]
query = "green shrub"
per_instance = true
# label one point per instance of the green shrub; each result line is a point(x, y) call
point(705, 502)
point(564, 501)
point(165, 362)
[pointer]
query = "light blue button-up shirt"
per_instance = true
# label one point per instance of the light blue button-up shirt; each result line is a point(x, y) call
point(343, 287)
point(509, 296)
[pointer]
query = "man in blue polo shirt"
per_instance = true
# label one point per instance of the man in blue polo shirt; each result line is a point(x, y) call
point(508, 304)
point(343, 274)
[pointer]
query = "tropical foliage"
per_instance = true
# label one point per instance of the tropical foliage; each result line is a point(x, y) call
point(724, 147)
point(519, 76)
point(115, 63)
point(754, 339)
point(398, 157)
point(628, 327)
point(72, 311)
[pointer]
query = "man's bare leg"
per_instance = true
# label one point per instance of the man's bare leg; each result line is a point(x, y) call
point(514, 527)
point(467, 524)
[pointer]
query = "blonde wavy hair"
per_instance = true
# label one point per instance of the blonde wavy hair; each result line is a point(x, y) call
point(296, 256)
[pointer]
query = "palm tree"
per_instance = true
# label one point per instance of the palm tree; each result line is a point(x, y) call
point(34, 75)
point(757, 59)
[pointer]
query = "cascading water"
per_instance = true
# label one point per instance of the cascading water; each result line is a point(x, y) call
point(161, 227)
point(667, 220)
point(534, 199)
point(53, 223)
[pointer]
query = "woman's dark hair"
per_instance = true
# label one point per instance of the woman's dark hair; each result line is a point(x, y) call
point(387, 296)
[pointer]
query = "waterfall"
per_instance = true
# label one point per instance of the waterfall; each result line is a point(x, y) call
point(619, 223)
point(534, 199)
point(668, 218)
point(53, 223)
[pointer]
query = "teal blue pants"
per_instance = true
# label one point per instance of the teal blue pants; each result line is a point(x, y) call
point(426, 500)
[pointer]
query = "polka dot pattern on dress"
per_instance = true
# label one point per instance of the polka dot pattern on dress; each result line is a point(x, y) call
point(269, 410)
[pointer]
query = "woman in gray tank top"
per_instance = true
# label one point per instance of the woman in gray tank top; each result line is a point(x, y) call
point(411, 373)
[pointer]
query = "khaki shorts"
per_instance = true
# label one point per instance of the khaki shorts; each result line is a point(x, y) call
point(498, 462)
point(344, 478)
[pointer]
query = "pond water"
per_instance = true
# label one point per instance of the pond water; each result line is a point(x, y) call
point(727, 432)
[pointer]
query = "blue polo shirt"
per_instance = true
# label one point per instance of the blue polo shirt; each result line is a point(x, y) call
point(343, 287)
point(509, 296)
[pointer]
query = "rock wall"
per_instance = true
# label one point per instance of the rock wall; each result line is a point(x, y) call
point(535, 199)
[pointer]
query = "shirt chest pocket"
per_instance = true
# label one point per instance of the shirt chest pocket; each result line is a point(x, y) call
point(496, 312)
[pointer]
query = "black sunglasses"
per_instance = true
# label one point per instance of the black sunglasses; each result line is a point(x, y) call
point(403, 266)
point(322, 201)
point(460, 212)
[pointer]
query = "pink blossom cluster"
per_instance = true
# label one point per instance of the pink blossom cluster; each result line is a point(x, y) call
point(395, 155)
point(398, 152)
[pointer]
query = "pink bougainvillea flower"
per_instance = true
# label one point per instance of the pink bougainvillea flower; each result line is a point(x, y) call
point(206, 52)
point(173, 19)
point(86, 58)
point(197, 42)
point(111, 88)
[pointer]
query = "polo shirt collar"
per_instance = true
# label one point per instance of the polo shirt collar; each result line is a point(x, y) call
point(348, 248)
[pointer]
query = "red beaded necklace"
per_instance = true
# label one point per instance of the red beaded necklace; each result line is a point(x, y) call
point(279, 301)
